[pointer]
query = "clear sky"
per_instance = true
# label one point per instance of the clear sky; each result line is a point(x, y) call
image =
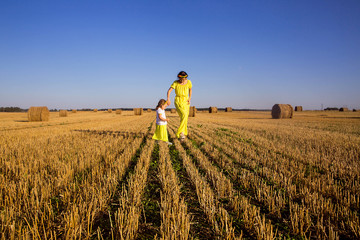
point(126, 53)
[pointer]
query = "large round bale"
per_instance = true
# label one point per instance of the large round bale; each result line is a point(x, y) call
point(228, 109)
point(173, 110)
point(192, 111)
point(74, 111)
point(95, 110)
point(298, 108)
point(213, 110)
point(109, 111)
point(38, 114)
point(354, 110)
point(343, 109)
point(63, 113)
point(118, 111)
point(282, 111)
point(138, 111)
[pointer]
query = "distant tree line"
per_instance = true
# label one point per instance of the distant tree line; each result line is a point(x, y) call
point(11, 109)
point(331, 109)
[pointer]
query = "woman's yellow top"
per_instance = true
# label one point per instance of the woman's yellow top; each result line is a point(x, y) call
point(181, 90)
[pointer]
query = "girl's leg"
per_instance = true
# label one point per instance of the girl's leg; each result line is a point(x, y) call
point(183, 111)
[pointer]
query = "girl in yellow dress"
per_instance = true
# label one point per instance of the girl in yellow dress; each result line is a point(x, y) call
point(161, 122)
point(183, 91)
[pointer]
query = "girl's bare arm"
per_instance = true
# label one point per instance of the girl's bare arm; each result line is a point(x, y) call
point(163, 119)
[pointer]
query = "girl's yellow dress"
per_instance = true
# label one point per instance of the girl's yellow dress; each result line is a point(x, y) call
point(161, 130)
point(161, 133)
point(181, 104)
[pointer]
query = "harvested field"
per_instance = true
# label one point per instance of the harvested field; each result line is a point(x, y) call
point(241, 175)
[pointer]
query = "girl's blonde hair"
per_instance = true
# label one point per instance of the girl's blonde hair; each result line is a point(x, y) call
point(160, 103)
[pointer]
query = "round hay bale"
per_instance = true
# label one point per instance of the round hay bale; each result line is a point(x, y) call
point(282, 111)
point(138, 111)
point(213, 110)
point(95, 110)
point(343, 109)
point(228, 109)
point(192, 111)
point(63, 113)
point(298, 108)
point(173, 110)
point(74, 111)
point(38, 114)
point(354, 110)
point(118, 111)
point(109, 110)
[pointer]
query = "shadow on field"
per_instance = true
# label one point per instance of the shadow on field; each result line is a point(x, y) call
point(113, 133)
point(256, 118)
point(344, 117)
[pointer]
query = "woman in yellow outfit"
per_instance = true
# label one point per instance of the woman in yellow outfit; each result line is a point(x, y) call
point(183, 91)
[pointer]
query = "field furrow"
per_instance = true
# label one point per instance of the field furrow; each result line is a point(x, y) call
point(220, 219)
point(175, 220)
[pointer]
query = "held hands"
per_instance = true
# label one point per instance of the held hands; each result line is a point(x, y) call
point(168, 102)
point(189, 101)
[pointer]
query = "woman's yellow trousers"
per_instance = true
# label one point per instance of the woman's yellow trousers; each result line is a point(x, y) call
point(182, 108)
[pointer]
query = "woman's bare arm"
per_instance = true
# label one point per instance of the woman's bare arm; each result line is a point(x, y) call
point(190, 93)
point(168, 95)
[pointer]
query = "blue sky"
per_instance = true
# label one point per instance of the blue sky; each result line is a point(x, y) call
point(243, 54)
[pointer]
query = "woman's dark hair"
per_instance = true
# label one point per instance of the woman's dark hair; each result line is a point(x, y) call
point(160, 103)
point(182, 73)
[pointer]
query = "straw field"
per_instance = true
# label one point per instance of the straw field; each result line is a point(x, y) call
point(238, 175)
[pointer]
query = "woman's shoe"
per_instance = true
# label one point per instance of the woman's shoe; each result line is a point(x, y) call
point(182, 136)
